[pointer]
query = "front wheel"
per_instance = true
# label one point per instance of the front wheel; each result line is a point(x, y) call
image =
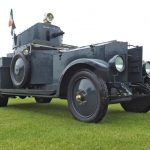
point(87, 96)
point(138, 104)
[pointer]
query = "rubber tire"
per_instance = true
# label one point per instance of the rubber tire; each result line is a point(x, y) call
point(22, 97)
point(26, 69)
point(100, 85)
point(43, 99)
point(3, 101)
point(137, 104)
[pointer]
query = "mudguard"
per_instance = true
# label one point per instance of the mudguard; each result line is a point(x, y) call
point(100, 67)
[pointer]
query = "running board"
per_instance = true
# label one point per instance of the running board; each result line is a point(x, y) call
point(27, 92)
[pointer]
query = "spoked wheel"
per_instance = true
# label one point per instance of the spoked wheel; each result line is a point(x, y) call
point(43, 99)
point(87, 96)
point(3, 101)
point(139, 104)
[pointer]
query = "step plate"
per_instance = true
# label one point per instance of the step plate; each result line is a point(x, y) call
point(28, 92)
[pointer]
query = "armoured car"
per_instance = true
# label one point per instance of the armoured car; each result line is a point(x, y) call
point(89, 77)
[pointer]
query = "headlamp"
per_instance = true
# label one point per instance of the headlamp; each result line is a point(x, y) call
point(146, 69)
point(26, 52)
point(117, 63)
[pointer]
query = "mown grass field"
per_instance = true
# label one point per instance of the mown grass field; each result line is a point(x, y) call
point(25, 125)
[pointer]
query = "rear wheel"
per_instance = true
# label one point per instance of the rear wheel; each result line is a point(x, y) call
point(22, 97)
point(3, 101)
point(43, 99)
point(87, 96)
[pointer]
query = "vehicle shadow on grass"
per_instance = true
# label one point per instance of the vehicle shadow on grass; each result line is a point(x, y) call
point(59, 110)
point(115, 116)
point(52, 109)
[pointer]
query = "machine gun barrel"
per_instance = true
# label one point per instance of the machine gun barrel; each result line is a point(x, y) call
point(54, 35)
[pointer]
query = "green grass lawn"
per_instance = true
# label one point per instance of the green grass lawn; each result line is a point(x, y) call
point(27, 125)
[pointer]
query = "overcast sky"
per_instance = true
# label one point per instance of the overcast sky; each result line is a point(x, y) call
point(83, 21)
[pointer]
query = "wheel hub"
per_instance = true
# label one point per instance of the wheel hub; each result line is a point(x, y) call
point(81, 97)
point(78, 97)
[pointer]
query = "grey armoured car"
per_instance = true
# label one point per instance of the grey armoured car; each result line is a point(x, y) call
point(90, 77)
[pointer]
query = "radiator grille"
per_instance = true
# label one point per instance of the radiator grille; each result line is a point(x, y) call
point(135, 65)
